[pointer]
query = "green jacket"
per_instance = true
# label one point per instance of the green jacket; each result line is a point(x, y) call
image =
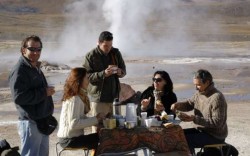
point(103, 89)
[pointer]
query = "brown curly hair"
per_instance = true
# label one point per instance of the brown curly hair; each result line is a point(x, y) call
point(73, 82)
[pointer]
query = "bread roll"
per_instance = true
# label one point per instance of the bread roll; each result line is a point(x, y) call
point(168, 125)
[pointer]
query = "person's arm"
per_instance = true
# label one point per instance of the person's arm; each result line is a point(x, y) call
point(147, 101)
point(94, 76)
point(21, 90)
point(141, 107)
point(184, 106)
point(76, 116)
point(167, 101)
point(121, 64)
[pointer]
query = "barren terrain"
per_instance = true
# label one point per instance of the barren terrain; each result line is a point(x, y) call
point(224, 53)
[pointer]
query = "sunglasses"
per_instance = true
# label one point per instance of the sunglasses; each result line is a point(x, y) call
point(33, 49)
point(157, 79)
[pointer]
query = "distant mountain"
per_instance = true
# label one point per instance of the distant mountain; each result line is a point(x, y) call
point(47, 18)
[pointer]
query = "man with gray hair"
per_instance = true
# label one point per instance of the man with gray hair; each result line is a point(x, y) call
point(210, 113)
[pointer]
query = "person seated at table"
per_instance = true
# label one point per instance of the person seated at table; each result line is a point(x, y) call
point(210, 113)
point(75, 106)
point(161, 93)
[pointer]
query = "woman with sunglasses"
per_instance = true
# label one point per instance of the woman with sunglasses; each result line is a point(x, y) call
point(159, 97)
point(73, 118)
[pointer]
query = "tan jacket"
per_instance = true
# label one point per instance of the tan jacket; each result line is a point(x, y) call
point(73, 120)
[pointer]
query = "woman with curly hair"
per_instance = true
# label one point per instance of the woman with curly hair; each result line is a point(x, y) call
point(75, 106)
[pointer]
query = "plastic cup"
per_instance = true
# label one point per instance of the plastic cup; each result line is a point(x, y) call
point(143, 124)
point(112, 123)
point(148, 122)
point(144, 115)
point(121, 122)
point(170, 117)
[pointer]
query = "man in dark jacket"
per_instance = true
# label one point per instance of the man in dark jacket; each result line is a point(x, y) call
point(32, 97)
point(105, 66)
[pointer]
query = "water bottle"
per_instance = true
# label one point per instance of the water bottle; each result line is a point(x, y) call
point(131, 112)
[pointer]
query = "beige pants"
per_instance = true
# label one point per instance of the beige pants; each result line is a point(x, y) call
point(98, 107)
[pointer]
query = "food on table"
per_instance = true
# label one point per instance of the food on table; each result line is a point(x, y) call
point(164, 115)
point(178, 113)
point(168, 125)
point(158, 102)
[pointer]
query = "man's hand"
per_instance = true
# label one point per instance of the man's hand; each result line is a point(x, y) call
point(50, 91)
point(119, 72)
point(112, 69)
point(174, 107)
point(108, 71)
point(185, 117)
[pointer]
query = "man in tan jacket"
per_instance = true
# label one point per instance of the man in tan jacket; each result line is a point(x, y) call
point(210, 113)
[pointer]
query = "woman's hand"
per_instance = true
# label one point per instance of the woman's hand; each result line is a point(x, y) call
point(100, 117)
point(159, 107)
point(145, 102)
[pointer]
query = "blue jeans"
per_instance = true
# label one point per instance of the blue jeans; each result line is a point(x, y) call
point(33, 143)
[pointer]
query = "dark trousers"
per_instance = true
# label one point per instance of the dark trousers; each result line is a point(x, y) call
point(197, 139)
point(89, 141)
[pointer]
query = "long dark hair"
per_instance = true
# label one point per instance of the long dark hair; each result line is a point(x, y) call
point(169, 84)
point(73, 82)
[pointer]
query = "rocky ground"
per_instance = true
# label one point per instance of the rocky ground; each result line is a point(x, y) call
point(230, 79)
point(222, 48)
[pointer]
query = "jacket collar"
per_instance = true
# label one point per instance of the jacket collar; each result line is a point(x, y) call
point(25, 61)
point(101, 52)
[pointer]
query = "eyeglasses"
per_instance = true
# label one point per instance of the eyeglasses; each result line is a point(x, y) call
point(33, 49)
point(157, 79)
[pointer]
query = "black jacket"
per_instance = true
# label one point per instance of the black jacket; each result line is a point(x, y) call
point(28, 88)
point(168, 98)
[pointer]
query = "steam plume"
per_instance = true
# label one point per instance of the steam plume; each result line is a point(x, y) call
point(141, 27)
